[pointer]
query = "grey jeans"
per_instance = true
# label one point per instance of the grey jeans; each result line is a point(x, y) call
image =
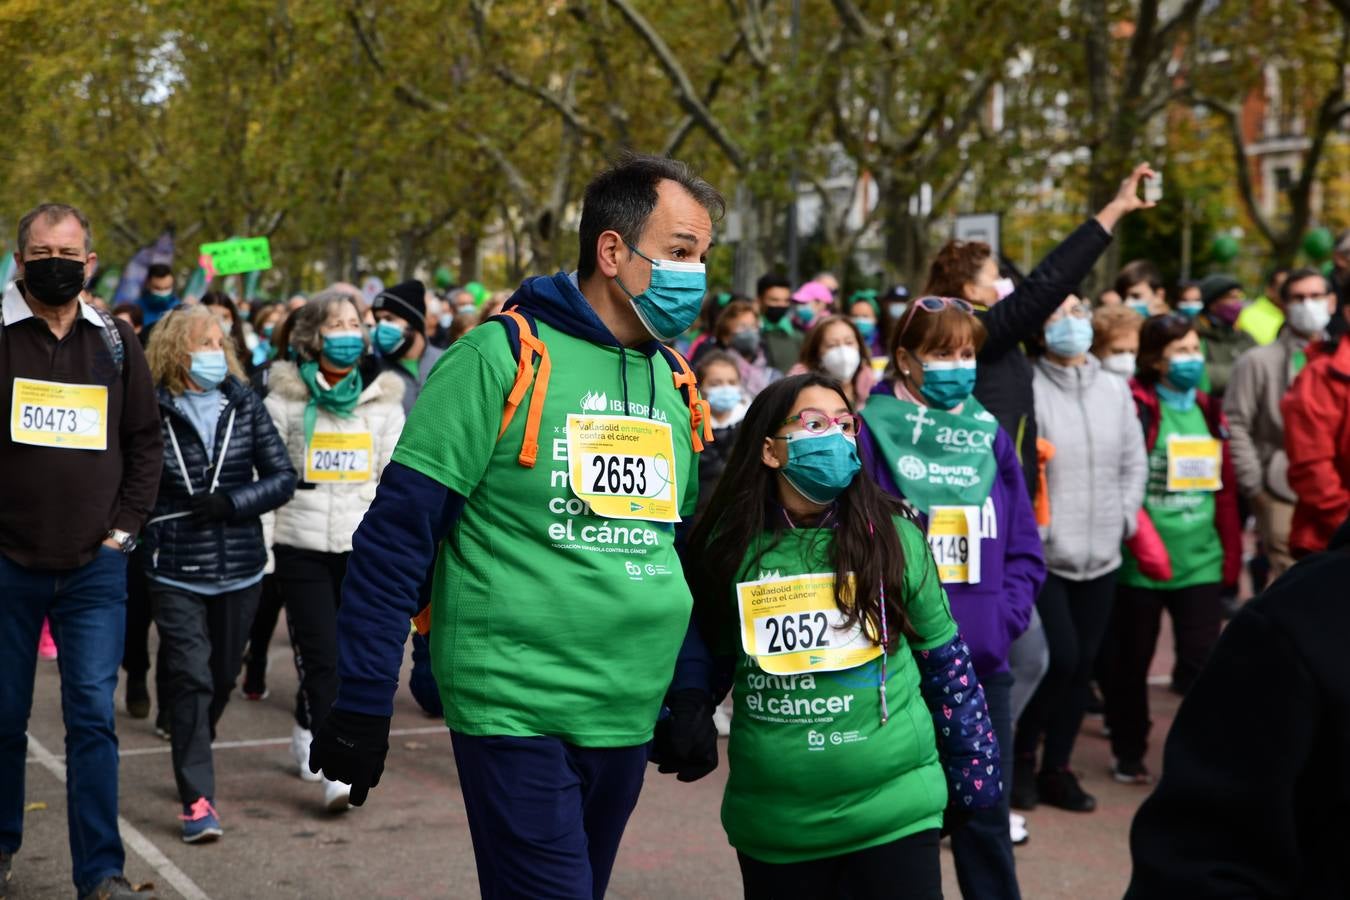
point(1028, 658)
point(203, 638)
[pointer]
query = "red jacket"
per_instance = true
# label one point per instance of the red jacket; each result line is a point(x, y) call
point(1225, 501)
point(1317, 440)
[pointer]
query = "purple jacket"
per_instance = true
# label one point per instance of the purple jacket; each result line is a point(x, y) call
point(993, 613)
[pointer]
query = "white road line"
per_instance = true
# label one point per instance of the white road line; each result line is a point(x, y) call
point(259, 742)
point(130, 835)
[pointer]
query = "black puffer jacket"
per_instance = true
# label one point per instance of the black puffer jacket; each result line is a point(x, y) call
point(1003, 374)
point(246, 441)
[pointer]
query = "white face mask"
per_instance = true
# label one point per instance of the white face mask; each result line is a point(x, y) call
point(1121, 364)
point(841, 362)
point(1309, 317)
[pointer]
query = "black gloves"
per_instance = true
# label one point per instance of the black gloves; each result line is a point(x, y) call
point(351, 747)
point(686, 742)
point(210, 508)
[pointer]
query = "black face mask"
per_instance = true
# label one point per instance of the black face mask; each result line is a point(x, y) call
point(775, 313)
point(53, 281)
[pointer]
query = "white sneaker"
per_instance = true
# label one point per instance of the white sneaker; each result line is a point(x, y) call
point(1017, 829)
point(722, 719)
point(300, 738)
point(335, 795)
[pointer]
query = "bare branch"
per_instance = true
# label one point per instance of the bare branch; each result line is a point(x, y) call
point(1233, 121)
point(686, 126)
point(856, 22)
point(684, 89)
point(403, 91)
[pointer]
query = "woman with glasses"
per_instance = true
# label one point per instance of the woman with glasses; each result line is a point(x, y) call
point(857, 713)
point(928, 441)
point(1189, 541)
point(1095, 485)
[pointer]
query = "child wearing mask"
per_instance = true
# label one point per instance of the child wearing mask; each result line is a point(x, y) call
point(719, 381)
point(737, 336)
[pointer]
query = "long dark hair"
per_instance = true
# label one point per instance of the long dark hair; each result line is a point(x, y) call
point(745, 506)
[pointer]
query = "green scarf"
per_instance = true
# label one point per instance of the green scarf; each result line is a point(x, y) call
point(340, 399)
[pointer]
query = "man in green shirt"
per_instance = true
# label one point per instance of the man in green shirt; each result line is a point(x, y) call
point(782, 340)
point(535, 512)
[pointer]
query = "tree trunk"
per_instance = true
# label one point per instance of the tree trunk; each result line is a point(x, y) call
point(468, 257)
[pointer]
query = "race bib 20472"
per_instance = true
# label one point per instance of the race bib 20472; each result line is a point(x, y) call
point(339, 457)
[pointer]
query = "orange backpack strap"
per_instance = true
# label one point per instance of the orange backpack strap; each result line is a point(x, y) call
point(422, 621)
point(700, 413)
point(530, 346)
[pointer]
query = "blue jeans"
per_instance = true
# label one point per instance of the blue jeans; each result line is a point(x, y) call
point(982, 849)
point(87, 608)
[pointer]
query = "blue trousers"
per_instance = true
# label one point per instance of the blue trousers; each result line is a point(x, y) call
point(546, 817)
point(982, 849)
point(87, 608)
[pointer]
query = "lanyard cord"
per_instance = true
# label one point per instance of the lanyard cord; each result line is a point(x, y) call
point(885, 643)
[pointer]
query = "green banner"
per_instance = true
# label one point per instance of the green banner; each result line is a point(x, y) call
point(239, 255)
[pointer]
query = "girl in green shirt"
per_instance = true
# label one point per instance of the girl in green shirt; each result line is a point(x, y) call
point(858, 717)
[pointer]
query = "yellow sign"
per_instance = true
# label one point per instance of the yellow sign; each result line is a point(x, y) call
point(623, 466)
point(793, 626)
point(1194, 463)
point(52, 414)
point(338, 456)
point(954, 538)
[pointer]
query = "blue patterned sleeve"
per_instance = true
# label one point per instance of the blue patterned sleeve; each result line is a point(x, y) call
point(966, 742)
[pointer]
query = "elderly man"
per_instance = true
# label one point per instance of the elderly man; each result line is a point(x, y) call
point(84, 452)
point(1259, 382)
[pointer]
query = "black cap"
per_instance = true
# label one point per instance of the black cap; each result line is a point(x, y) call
point(1212, 287)
point(407, 300)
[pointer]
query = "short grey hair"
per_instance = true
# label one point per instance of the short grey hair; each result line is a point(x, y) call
point(305, 339)
point(52, 213)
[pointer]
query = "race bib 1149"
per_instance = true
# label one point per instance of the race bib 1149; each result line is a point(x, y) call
point(954, 538)
point(623, 466)
point(792, 626)
point(52, 414)
point(338, 457)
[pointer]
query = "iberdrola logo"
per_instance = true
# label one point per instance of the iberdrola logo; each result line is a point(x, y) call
point(765, 576)
point(594, 402)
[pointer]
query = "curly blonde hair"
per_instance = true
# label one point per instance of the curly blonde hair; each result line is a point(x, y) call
point(172, 339)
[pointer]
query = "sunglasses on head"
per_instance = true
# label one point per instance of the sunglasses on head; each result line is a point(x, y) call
point(934, 305)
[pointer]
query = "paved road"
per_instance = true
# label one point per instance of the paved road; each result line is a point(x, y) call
point(411, 838)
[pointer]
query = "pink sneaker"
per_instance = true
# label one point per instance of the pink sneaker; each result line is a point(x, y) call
point(46, 646)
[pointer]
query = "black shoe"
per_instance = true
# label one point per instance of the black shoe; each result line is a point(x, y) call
point(1061, 789)
point(1131, 771)
point(1024, 795)
point(1096, 706)
point(6, 870)
point(115, 887)
point(255, 677)
point(138, 696)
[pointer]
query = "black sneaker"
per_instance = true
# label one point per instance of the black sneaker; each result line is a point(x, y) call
point(138, 696)
point(115, 887)
point(1131, 771)
point(1061, 789)
point(1024, 795)
point(162, 724)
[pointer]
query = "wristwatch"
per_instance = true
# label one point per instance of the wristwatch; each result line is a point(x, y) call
point(126, 542)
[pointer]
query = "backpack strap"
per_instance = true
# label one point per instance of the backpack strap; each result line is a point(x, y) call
point(524, 336)
point(700, 413)
point(113, 338)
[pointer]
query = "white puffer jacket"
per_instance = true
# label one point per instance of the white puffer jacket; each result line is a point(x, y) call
point(324, 516)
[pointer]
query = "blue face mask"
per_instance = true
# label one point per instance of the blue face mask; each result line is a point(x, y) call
point(821, 466)
point(467, 309)
point(672, 301)
point(897, 309)
point(724, 397)
point(446, 320)
point(947, 384)
point(1190, 308)
point(1139, 306)
point(208, 368)
point(805, 313)
point(1185, 372)
point(343, 348)
point(868, 327)
point(388, 336)
point(1069, 336)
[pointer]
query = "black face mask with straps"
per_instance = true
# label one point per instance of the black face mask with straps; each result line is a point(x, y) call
point(54, 280)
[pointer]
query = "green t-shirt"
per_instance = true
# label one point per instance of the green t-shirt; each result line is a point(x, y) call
point(813, 772)
point(547, 619)
point(1184, 519)
point(410, 366)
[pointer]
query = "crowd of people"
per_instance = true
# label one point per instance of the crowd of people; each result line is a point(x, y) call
point(895, 544)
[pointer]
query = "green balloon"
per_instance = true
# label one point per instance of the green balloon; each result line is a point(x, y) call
point(1318, 243)
point(444, 277)
point(478, 292)
point(1225, 248)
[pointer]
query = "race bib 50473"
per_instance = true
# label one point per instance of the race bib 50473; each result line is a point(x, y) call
point(623, 466)
point(792, 626)
point(52, 414)
point(338, 456)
